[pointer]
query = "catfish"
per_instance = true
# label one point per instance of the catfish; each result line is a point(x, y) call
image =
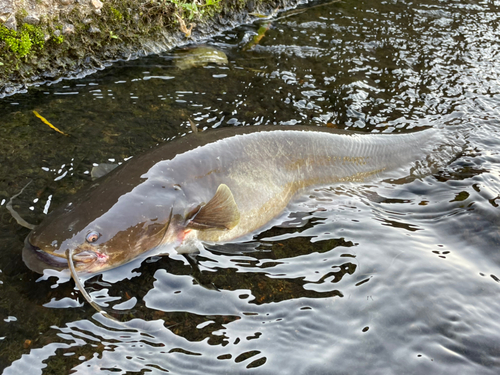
point(215, 187)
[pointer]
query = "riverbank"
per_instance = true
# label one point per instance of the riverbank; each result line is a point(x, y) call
point(45, 40)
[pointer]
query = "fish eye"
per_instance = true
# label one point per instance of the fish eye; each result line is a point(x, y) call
point(92, 236)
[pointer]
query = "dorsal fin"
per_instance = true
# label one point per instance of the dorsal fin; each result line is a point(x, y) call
point(221, 212)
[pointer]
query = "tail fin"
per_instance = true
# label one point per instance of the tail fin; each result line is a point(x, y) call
point(447, 145)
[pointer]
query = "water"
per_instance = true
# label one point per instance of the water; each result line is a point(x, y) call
point(385, 278)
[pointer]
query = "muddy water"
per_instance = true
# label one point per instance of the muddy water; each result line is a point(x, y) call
point(383, 278)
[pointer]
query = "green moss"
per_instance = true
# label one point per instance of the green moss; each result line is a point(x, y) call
point(212, 7)
point(195, 10)
point(9, 37)
point(116, 14)
point(22, 45)
point(36, 34)
point(58, 39)
point(22, 42)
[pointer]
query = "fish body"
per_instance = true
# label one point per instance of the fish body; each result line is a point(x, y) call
point(214, 187)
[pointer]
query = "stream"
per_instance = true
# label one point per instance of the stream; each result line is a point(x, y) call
point(387, 277)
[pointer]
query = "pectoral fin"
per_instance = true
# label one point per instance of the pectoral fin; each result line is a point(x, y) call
point(221, 212)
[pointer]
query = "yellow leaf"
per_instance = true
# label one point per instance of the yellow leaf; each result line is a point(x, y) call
point(49, 124)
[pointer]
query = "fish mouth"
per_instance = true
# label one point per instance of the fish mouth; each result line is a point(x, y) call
point(88, 260)
point(38, 260)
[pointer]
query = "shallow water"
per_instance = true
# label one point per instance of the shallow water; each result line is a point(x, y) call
point(383, 278)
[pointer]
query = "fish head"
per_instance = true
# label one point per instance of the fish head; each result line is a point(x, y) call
point(101, 237)
point(96, 247)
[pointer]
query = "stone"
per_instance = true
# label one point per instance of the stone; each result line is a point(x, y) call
point(94, 29)
point(32, 19)
point(6, 8)
point(250, 6)
point(97, 4)
point(11, 23)
point(68, 29)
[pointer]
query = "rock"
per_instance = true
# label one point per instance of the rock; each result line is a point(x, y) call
point(32, 19)
point(250, 6)
point(6, 8)
point(101, 170)
point(94, 29)
point(97, 4)
point(199, 56)
point(68, 29)
point(11, 23)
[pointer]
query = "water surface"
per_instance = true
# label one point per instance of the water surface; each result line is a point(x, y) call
point(390, 277)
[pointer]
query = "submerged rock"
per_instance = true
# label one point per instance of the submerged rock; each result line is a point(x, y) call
point(199, 56)
point(101, 170)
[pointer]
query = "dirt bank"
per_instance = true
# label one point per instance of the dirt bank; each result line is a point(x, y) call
point(44, 40)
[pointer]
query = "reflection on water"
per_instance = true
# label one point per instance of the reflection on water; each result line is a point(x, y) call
point(394, 277)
